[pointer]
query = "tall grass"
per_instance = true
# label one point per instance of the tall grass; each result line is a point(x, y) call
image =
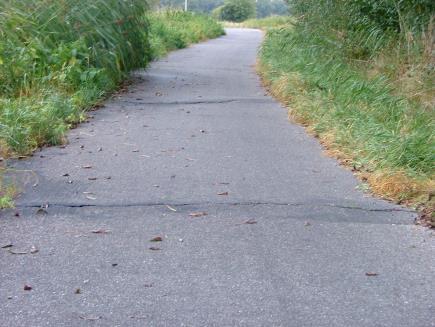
point(174, 29)
point(57, 58)
point(365, 90)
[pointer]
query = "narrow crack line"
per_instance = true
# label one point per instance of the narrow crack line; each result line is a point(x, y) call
point(216, 101)
point(249, 203)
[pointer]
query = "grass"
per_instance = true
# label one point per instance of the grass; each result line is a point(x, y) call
point(60, 58)
point(365, 113)
point(172, 29)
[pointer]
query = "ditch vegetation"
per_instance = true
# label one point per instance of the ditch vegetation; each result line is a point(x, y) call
point(360, 76)
point(60, 58)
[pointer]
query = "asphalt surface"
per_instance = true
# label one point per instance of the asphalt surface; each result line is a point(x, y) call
point(288, 238)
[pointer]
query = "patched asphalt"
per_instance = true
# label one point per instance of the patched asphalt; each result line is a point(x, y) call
point(259, 226)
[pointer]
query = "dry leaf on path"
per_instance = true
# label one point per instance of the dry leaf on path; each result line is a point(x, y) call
point(156, 239)
point(100, 231)
point(27, 288)
point(371, 274)
point(198, 214)
point(223, 193)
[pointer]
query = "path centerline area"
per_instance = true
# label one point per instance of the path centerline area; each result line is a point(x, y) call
point(255, 226)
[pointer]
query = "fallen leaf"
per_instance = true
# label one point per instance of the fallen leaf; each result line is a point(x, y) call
point(27, 288)
point(92, 178)
point(154, 248)
point(168, 206)
point(223, 193)
point(250, 222)
point(371, 274)
point(17, 252)
point(65, 175)
point(156, 239)
point(198, 214)
point(41, 211)
point(7, 245)
point(100, 231)
point(90, 317)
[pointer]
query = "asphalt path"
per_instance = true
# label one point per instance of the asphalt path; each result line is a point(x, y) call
point(258, 226)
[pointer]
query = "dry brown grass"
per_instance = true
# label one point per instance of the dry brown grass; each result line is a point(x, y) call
point(394, 186)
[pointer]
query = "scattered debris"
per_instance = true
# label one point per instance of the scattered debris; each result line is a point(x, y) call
point(156, 239)
point(92, 178)
point(100, 149)
point(371, 274)
point(154, 248)
point(78, 291)
point(87, 167)
point(90, 197)
point(307, 223)
point(114, 264)
point(223, 193)
point(135, 150)
point(27, 288)
point(65, 175)
point(34, 250)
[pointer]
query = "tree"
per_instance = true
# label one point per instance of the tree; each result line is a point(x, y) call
point(237, 10)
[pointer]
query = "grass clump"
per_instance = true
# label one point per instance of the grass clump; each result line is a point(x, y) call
point(365, 90)
point(175, 29)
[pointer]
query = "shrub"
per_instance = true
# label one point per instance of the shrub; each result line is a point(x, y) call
point(237, 10)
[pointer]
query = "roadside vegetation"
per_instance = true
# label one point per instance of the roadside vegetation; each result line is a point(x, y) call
point(360, 76)
point(60, 58)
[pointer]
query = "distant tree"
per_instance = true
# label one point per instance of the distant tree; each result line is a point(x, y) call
point(237, 10)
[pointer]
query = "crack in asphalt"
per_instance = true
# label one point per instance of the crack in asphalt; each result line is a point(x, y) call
point(249, 203)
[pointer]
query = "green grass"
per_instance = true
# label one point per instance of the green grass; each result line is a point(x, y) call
point(357, 111)
point(60, 58)
point(172, 29)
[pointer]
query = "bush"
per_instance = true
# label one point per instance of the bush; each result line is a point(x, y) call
point(237, 10)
